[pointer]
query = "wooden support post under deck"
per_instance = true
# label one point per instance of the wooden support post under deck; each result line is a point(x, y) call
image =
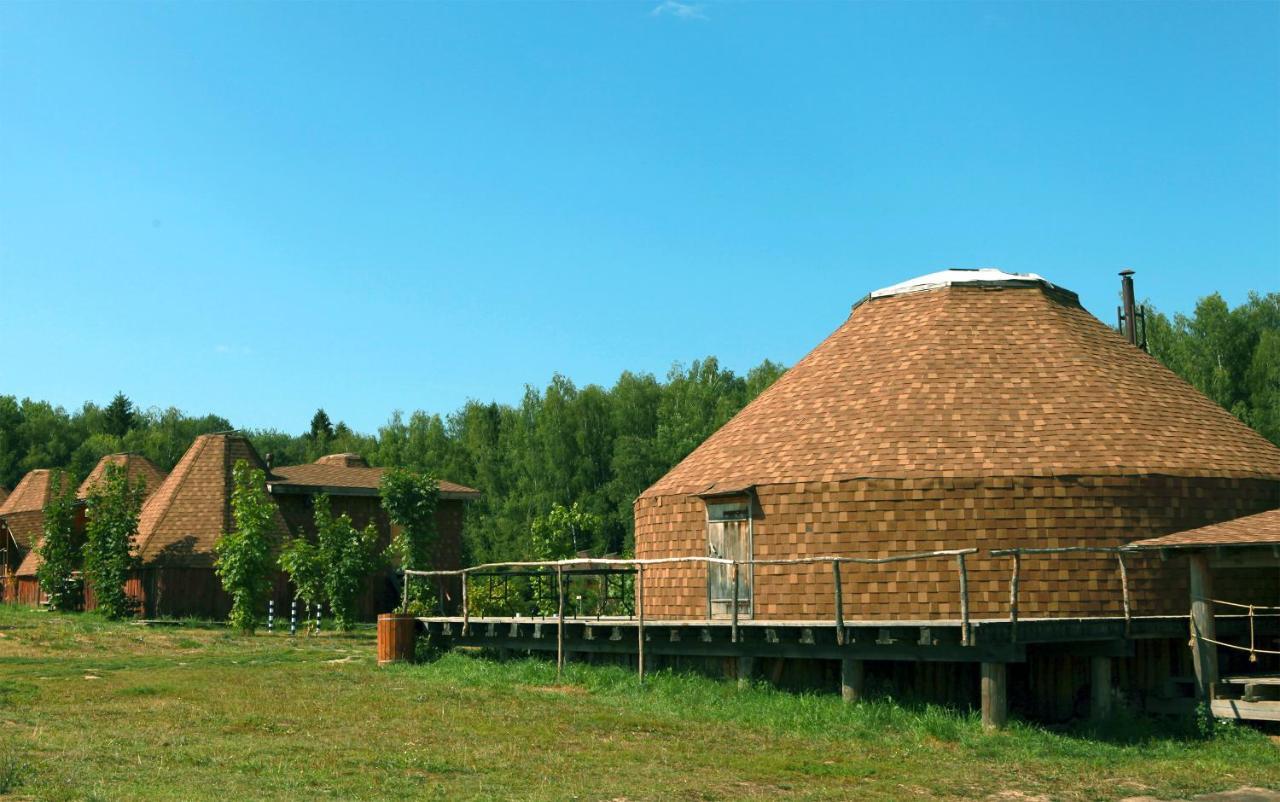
point(1099, 686)
point(995, 697)
point(746, 667)
point(560, 622)
point(1204, 654)
point(851, 674)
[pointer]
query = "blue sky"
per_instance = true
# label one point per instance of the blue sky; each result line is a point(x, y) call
point(259, 209)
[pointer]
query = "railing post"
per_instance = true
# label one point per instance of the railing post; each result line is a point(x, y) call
point(405, 603)
point(560, 622)
point(964, 600)
point(710, 613)
point(639, 605)
point(1013, 597)
point(734, 630)
point(466, 613)
point(835, 575)
point(1124, 593)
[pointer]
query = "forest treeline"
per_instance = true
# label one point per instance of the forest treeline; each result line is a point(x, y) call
point(593, 446)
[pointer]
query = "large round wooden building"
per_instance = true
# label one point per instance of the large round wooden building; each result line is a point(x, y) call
point(962, 409)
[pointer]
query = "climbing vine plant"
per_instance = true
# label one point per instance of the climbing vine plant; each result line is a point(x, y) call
point(243, 555)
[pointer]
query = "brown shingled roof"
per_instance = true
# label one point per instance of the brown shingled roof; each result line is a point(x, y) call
point(974, 381)
point(137, 468)
point(1251, 530)
point(23, 511)
point(182, 520)
point(347, 460)
point(330, 475)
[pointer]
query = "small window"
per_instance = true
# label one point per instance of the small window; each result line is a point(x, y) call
point(731, 511)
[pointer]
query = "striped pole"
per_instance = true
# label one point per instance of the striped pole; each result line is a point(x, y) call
point(293, 618)
point(271, 615)
point(317, 618)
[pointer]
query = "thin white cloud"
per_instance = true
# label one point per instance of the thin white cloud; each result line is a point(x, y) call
point(679, 10)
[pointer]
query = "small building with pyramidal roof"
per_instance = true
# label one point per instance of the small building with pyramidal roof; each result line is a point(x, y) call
point(180, 523)
point(22, 522)
point(137, 468)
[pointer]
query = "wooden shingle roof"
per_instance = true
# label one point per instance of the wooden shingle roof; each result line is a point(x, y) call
point(183, 519)
point(977, 379)
point(23, 511)
point(137, 467)
point(345, 473)
point(1262, 529)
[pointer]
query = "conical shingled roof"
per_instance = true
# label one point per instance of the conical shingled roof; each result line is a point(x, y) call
point(948, 377)
point(183, 519)
point(23, 510)
point(137, 467)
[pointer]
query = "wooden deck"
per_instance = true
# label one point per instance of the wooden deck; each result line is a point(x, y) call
point(1247, 698)
point(990, 640)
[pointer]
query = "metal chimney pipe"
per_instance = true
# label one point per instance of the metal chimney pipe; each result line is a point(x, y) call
point(1129, 314)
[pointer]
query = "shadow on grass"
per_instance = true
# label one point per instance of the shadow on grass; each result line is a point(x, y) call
point(685, 695)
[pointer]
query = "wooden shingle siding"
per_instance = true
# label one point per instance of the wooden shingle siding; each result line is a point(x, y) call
point(883, 517)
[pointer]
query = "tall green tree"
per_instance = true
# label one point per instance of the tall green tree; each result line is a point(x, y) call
point(410, 499)
point(59, 548)
point(243, 555)
point(346, 556)
point(119, 416)
point(321, 426)
point(111, 523)
point(1230, 355)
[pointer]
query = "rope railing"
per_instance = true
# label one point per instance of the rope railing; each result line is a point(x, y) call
point(1016, 554)
point(1252, 648)
point(640, 564)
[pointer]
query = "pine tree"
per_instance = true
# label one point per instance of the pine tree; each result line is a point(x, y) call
point(119, 416)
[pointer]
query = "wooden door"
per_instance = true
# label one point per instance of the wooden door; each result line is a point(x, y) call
point(729, 538)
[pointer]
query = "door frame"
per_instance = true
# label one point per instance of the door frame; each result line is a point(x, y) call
point(736, 499)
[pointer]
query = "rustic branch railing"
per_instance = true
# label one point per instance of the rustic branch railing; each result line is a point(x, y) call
point(1252, 611)
point(1017, 553)
point(560, 566)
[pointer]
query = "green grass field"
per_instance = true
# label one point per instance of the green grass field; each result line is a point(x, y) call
point(97, 710)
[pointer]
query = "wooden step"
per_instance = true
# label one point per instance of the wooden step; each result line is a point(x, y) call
point(1245, 711)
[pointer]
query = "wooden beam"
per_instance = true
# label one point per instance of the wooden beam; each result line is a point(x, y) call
point(1204, 655)
point(851, 679)
point(1100, 687)
point(995, 695)
point(1245, 711)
